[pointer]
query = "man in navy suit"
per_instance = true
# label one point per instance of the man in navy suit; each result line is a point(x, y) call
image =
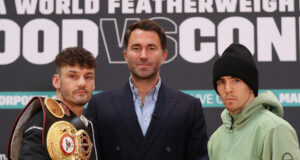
point(145, 120)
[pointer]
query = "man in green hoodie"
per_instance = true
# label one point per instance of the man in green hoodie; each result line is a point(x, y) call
point(253, 127)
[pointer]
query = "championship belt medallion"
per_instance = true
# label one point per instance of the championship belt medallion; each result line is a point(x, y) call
point(54, 108)
point(61, 140)
point(85, 144)
point(65, 142)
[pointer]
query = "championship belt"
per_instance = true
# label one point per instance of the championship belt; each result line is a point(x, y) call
point(64, 135)
point(65, 142)
point(63, 139)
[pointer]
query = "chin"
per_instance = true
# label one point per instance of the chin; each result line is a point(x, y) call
point(231, 108)
point(81, 102)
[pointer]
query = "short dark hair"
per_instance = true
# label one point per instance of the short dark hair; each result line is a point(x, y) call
point(146, 25)
point(75, 55)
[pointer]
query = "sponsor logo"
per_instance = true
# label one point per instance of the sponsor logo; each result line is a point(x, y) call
point(287, 156)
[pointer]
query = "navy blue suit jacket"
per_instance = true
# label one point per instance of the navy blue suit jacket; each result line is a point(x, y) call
point(177, 130)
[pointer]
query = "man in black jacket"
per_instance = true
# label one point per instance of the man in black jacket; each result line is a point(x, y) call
point(56, 129)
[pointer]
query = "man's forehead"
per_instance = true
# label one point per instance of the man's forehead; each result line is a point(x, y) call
point(138, 33)
point(77, 68)
point(144, 38)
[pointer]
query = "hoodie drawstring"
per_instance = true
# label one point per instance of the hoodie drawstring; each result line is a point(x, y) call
point(232, 121)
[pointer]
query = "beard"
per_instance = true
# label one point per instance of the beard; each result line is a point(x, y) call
point(139, 76)
point(80, 101)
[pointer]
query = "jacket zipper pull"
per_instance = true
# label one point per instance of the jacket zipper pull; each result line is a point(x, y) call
point(232, 121)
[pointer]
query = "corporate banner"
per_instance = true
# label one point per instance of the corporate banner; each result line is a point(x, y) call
point(32, 32)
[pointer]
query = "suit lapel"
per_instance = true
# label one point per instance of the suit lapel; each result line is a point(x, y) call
point(125, 108)
point(164, 106)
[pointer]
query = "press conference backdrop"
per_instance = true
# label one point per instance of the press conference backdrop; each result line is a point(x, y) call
point(32, 32)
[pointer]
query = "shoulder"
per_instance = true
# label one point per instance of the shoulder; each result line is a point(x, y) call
point(32, 146)
point(269, 121)
point(184, 103)
point(35, 123)
point(278, 135)
point(178, 93)
point(123, 90)
point(105, 98)
point(216, 138)
point(270, 118)
point(218, 133)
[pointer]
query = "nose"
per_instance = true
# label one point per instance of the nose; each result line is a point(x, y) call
point(81, 82)
point(143, 53)
point(228, 87)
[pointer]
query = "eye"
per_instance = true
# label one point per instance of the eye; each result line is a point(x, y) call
point(72, 76)
point(236, 80)
point(152, 48)
point(89, 77)
point(219, 82)
point(136, 48)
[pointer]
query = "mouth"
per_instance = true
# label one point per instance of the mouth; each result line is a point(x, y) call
point(230, 99)
point(81, 91)
point(144, 64)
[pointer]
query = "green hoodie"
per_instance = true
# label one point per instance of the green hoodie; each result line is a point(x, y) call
point(256, 133)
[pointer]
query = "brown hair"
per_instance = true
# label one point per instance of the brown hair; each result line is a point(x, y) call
point(75, 55)
point(147, 25)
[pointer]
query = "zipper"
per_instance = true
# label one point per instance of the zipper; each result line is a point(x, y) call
point(232, 121)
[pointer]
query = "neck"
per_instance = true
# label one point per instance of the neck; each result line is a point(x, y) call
point(77, 110)
point(144, 86)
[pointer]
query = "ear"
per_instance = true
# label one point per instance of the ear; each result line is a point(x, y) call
point(56, 81)
point(165, 54)
point(125, 54)
point(94, 87)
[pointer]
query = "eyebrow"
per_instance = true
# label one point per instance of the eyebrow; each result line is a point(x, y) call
point(138, 44)
point(222, 78)
point(152, 44)
point(91, 73)
point(72, 71)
